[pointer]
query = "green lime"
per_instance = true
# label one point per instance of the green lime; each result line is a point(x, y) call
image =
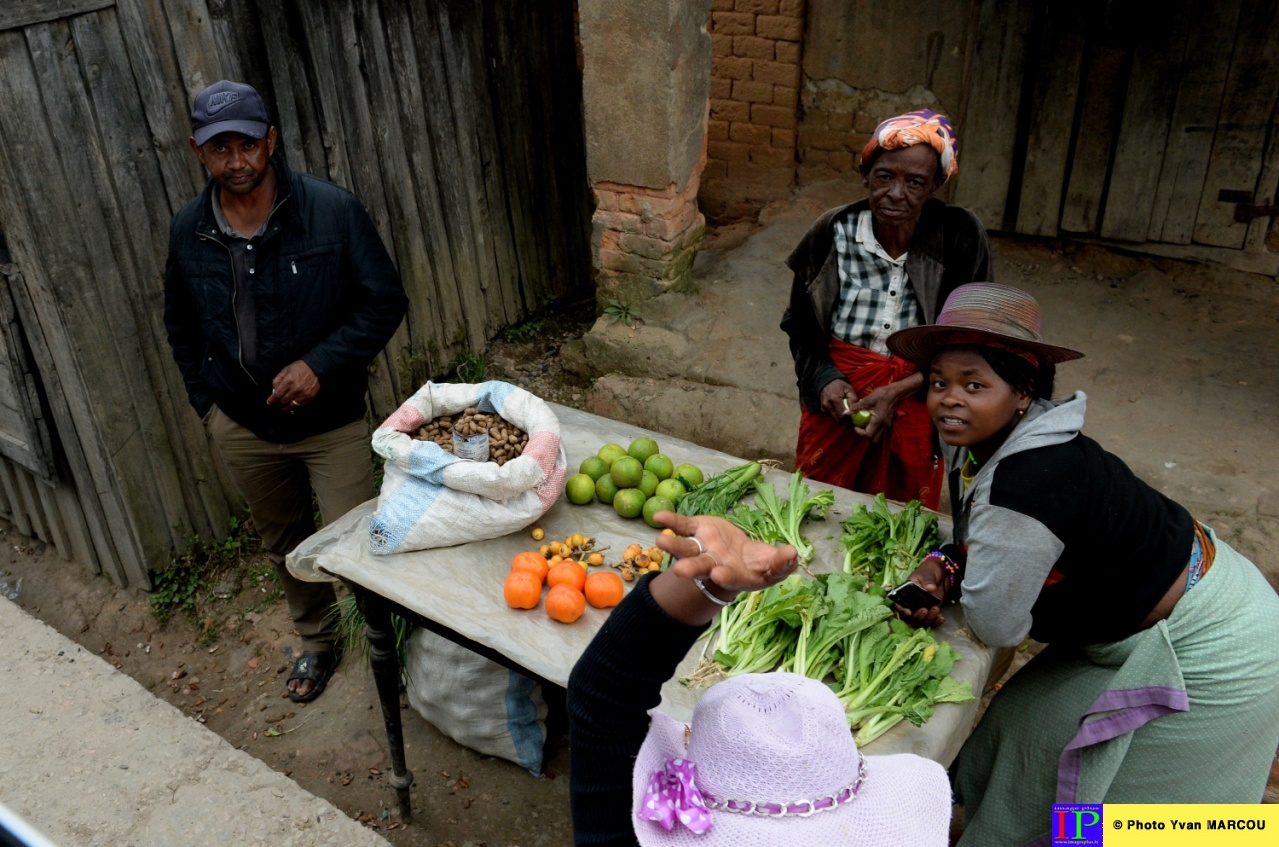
point(580, 489)
point(627, 472)
point(690, 475)
point(642, 448)
point(648, 484)
point(629, 502)
point(605, 488)
point(594, 467)
point(861, 418)
point(610, 453)
point(652, 506)
point(661, 466)
point(671, 489)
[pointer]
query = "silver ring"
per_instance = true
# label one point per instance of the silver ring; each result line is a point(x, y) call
point(700, 548)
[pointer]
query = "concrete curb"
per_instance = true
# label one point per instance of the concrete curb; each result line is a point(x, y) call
point(89, 757)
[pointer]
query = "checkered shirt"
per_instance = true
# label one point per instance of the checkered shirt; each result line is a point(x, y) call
point(875, 296)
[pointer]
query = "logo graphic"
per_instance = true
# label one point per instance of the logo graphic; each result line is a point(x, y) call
point(1077, 824)
point(220, 101)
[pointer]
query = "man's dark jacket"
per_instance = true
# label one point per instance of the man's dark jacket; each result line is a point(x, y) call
point(949, 249)
point(325, 291)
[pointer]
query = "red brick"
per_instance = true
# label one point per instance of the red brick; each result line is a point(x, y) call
point(620, 261)
point(722, 45)
point(752, 92)
point(839, 121)
point(717, 130)
point(747, 172)
point(772, 157)
point(606, 200)
point(813, 156)
point(750, 133)
point(618, 221)
point(751, 47)
point(791, 8)
point(715, 169)
point(778, 73)
point(731, 110)
point(784, 96)
point(731, 67)
point(732, 23)
point(787, 51)
point(723, 5)
point(759, 7)
point(728, 151)
point(779, 27)
point(721, 89)
point(762, 113)
point(672, 229)
point(784, 138)
point(643, 246)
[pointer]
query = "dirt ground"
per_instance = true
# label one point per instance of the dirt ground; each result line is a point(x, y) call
point(1181, 379)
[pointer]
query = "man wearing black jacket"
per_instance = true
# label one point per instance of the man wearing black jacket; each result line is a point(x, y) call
point(278, 294)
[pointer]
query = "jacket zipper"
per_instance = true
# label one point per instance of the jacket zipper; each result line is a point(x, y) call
point(239, 343)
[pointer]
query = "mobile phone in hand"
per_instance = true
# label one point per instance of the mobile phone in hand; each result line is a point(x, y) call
point(913, 596)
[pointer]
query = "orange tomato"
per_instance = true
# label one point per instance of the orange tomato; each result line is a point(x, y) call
point(568, 573)
point(604, 589)
point(532, 563)
point(564, 603)
point(521, 590)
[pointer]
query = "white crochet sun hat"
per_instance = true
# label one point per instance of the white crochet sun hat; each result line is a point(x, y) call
point(775, 764)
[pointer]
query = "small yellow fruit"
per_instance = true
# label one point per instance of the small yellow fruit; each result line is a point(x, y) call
point(576, 540)
point(631, 552)
point(668, 531)
point(545, 550)
point(554, 560)
point(596, 559)
point(537, 533)
point(554, 547)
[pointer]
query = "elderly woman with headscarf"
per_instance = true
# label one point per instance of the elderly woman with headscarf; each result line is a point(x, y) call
point(862, 272)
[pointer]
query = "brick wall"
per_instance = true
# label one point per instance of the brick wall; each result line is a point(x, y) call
point(645, 239)
point(755, 80)
point(838, 121)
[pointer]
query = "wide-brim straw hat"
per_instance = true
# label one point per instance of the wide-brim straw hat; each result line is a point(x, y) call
point(782, 739)
point(981, 314)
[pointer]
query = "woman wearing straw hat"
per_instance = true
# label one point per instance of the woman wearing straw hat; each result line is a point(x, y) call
point(1160, 683)
point(862, 271)
point(769, 759)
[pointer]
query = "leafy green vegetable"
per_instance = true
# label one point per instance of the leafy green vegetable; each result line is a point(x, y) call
point(777, 521)
point(884, 546)
point(717, 495)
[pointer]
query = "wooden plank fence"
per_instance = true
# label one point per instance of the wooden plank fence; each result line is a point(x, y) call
point(457, 123)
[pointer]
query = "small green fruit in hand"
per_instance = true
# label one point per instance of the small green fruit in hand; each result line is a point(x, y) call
point(605, 489)
point(661, 466)
point(610, 453)
point(629, 502)
point(627, 472)
point(671, 489)
point(690, 475)
point(648, 484)
point(654, 505)
point(580, 489)
point(861, 418)
point(642, 448)
point(594, 467)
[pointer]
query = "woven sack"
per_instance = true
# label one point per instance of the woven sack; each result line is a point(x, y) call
point(430, 498)
point(476, 702)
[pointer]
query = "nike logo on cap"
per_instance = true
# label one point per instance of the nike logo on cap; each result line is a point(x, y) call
point(220, 101)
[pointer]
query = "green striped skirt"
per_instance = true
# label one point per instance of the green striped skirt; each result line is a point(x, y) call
point(1184, 712)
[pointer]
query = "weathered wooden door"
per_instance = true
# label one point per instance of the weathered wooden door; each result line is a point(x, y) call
point(1101, 119)
point(24, 430)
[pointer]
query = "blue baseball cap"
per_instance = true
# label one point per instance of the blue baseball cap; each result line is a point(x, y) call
point(227, 106)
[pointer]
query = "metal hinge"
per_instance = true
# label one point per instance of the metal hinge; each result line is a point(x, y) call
point(1245, 209)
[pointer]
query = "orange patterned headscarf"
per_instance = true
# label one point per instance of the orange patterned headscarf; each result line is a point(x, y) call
point(922, 127)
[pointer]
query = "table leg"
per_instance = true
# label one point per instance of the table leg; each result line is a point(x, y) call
point(386, 675)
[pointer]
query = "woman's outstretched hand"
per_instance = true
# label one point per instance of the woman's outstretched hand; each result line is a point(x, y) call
point(726, 556)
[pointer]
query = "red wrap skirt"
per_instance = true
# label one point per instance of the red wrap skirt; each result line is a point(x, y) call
point(903, 464)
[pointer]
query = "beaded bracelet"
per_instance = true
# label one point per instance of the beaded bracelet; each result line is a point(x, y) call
point(950, 566)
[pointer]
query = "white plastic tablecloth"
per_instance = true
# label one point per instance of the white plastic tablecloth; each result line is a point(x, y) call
point(461, 587)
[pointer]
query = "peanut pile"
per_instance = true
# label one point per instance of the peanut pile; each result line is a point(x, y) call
point(506, 441)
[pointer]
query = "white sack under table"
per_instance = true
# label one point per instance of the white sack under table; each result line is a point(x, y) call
point(461, 587)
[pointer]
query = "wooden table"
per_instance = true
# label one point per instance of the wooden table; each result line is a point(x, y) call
point(457, 592)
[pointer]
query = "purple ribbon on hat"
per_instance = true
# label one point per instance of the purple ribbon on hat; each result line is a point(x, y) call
point(673, 795)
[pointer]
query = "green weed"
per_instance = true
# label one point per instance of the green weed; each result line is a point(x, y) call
point(350, 632)
point(470, 367)
point(620, 311)
point(520, 333)
point(186, 586)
